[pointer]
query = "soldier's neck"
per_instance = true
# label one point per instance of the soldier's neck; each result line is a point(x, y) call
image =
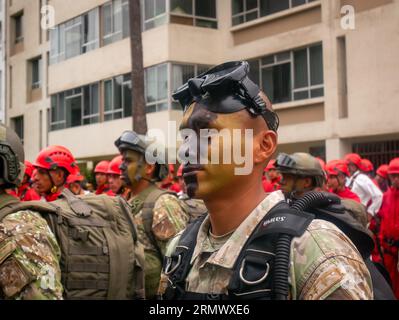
point(141, 186)
point(227, 213)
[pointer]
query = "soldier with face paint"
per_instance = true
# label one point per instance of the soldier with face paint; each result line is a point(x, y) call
point(216, 257)
point(158, 214)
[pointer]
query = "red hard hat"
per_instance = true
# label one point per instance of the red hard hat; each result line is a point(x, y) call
point(366, 165)
point(354, 158)
point(74, 178)
point(101, 167)
point(29, 168)
point(114, 164)
point(393, 167)
point(336, 166)
point(180, 171)
point(383, 171)
point(322, 163)
point(271, 165)
point(54, 157)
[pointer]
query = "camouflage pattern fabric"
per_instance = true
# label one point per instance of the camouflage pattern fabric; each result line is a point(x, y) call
point(169, 219)
point(324, 262)
point(29, 258)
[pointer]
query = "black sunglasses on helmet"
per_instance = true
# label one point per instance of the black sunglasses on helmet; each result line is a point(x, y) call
point(229, 89)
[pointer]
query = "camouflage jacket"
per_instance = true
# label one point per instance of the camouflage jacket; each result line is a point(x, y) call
point(169, 218)
point(29, 257)
point(324, 262)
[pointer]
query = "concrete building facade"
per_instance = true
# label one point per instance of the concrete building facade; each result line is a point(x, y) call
point(332, 75)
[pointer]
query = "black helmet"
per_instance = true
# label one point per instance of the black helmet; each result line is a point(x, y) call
point(130, 140)
point(226, 88)
point(12, 158)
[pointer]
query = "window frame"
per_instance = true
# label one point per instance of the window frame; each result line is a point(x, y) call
point(18, 17)
point(291, 60)
point(194, 16)
point(36, 84)
point(122, 108)
point(245, 12)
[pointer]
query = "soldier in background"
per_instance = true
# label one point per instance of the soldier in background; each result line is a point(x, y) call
point(158, 214)
point(29, 264)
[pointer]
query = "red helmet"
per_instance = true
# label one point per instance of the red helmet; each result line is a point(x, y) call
point(354, 158)
point(322, 163)
point(101, 167)
point(180, 171)
point(337, 166)
point(54, 157)
point(366, 165)
point(74, 178)
point(393, 167)
point(29, 168)
point(271, 165)
point(114, 165)
point(383, 171)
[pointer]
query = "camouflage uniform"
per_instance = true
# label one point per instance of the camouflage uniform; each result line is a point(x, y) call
point(324, 262)
point(169, 219)
point(29, 257)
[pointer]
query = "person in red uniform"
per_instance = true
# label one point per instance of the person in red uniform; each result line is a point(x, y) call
point(54, 164)
point(271, 177)
point(337, 172)
point(100, 172)
point(389, 232)
point(116, 184)
point(25, 192)
point(382, 177)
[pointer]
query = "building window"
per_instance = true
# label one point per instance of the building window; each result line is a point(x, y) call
point(181, 73)
point(75, 107)
point(117, 98)
point(74, 37)
point(199, 13)
point(18, 27)
point(290, 75)
point(154, 13)
point(248, 10)
point(36, 69)
point(156, 88)
point(115, 20)
point(18, 126)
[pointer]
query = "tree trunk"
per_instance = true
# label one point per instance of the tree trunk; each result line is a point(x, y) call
point(138, 99)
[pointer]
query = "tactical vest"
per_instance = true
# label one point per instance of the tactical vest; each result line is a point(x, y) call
point(254, 272)
point(146, 200)
point(100, 255)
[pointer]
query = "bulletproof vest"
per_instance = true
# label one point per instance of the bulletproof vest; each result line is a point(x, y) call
point(100, 255)
point(254, 272)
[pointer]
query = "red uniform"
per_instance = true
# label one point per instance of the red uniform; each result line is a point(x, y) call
point(175, 187)
point(26, 193)
point(102, 189)
point(389, 234)
point(271, 186)
point(347, 194)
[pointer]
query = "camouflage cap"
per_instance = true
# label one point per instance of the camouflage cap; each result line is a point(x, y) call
point(302, 164)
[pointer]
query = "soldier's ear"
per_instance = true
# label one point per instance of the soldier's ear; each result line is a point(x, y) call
point(265, 144)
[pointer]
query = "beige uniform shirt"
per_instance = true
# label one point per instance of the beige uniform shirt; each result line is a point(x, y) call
point(325, 264)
